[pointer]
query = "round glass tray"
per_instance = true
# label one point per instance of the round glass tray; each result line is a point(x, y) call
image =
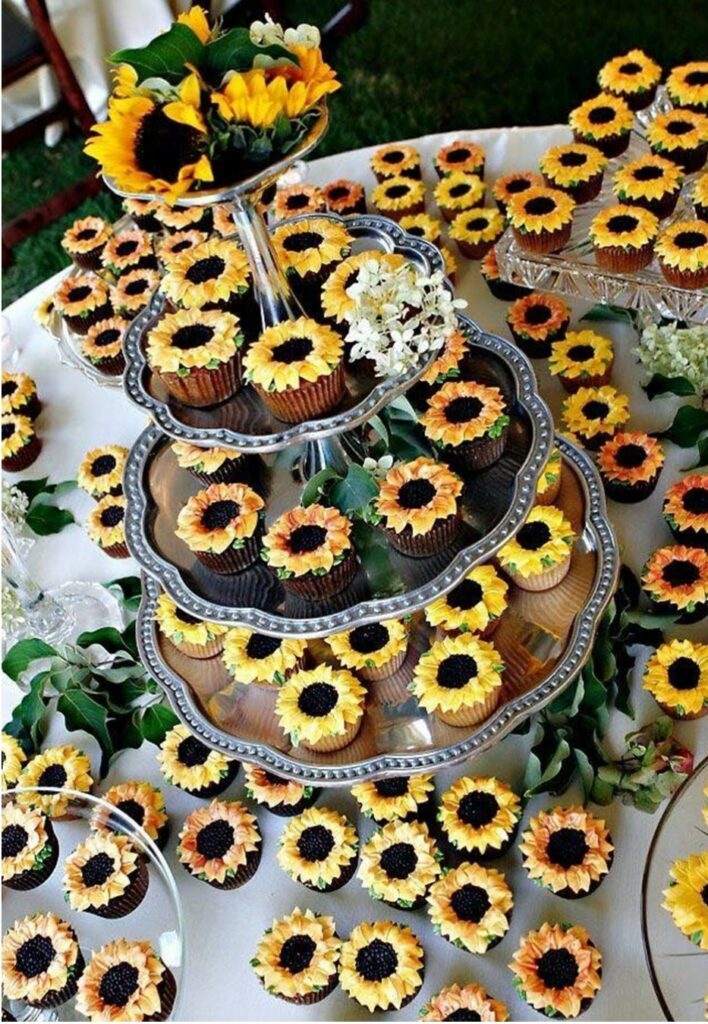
point(69, 349)
point(678, 968)
point(158, 918)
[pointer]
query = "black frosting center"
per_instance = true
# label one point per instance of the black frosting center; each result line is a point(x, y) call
point(648, 173)
point(477, 224)
point(601, 115)
point(595, 410)
point(303, 241)
point(112, 516)
point(459, 190)
point(8, 429)
point(470, 903)
point(133, 809)
point(581, 353)
point(397, 191)
point(377, 961)
point(318, 699)
point(192, 336)
point(369, 638)
point(415, 493)
point(215, 839)
point(136, 287)
point(85, 234)
point(573, 159)
point(630, 68)
point(680, 573)
point(630, 456)
point(207, 269)
point(465, 595)
point(192, 752)
point(103, 464)
point(463, 409)
point(540, 205)
point(684, 674)
point(696, 78)
point(517, 185)
point(557, 968)
point(53, 775)
point(399, 861)
point(477, 808)
point(307, 538)
point(533, 536)
point(537, 315)
point(679, 127)
point(34, 956)
point(9, 387)
point(464, 1013)
point(118, 984)
point(293, 350)
point(338, 192)
point(394, 156)
point(457, 156)
point(296, 953)
point(695, 501)
point(297, 201)
point(183, 616)
point(261, 646)
point(125, 248)
point(456, 671)
point(397, 786)
point(567, 847)
point(14, 840)
point(107, 337)
point(79, 293)
point(621, 224)
point(315, 843)
point(97, 870)
point(690, 239)
point(219, 514)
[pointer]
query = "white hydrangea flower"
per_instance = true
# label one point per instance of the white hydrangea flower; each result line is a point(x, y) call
point(303, 35)
point(378, 467)
point(265, 33)
point(676, 352)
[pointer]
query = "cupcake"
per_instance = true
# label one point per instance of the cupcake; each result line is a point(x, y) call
point(196, 355)
point(682, 137)
point(633, 77)
point(106, 876)
point(399, 863)
point(476, 230)
point(373, 651)
point(651, 182)
point(459, 680)
point(310, 550)
point(549, 482)
point(605, 122)
point(282, 797)
point(221, 844)
point(685, 509)
point(623, 238)
point(319, 849)
point(212, 276)
point(62, 767)
point(143, 803)
point(126, 980)
point(630, 465)
point(257, 658)
point(700, 197)
point(45, 313)
point(471, 907)
point(676, 676)
point(475, 605)
point(398, 197)
point(458, 191)
point(382, 966)
point(19, 395)
point(447, 366)
point(576, 169)
point(321, 709)
point(450, 263)
point(557, 970)
point(538, 557)
point(308, 251)
point(128, 250)
point(20, 444)
point(594, 415)
point(101, 471)
point(223, 526)
point(675, 579)
point(460, 156)
point(505, 291)
point(335, 300)
point(394, 161)
point(29, 847)
point(398, 798)
point(173, 246)
point(687, 86)
point(190, 765)
point(422, 225)
point(13, 758)
point(105, 526)
point(541, 219)
point(82, 300)
point(417, 507)
point(297, 200)
point(298, 958)
point(103, 345)
point(567, 851)
point(216, 465)
point(682, 252)
point(582, 359)
point(41, 961)
point(470, 1002)
point(142, 213)
point(536, 321)
point(84, 242)
point(504, 189)
point(344, 197)
point(684, 897)
point(194, 637)
point(133, 291)
point(468, 423)
point(297, 369)
point(178, 218)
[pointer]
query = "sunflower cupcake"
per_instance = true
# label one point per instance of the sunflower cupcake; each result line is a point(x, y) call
point(700, 197)
point(398, 197)
point(675, 579)
point(62, 767)
point(13, 758)
point(582, 359)
point(468, 422)
point(221, 844)
point(194, 637)
point(623, 238)
point(460, 156)
point(41, 961)
point(103, 345)
point(687, 86)
point(173, 246)
point(319, 849)
point(281, 797)
point(257, 658)
point(297, 369)
point(651, 182)
point(321, 709)
point(685, 509)
point(676, 676)
point(458, 191)
point(336, 302)
point(142, 213)
point(128, 250)
point(505, 291)
point(344, 197)
point(298, 958)
point(682, 137)
point(417, 507)
point(682, 252)
point(395, 160)
point(685, 897)
point(29, 847)
point(594, 415)
point(471, 907)
point(450, 262)
point(190, 765)
point(422, 225)
point(374, 651)
point(557, 970)
point(576, 169)
point(214, 275)
point(470, 1002)
point(216, 465)
point(448, 366)
point(222, 526)
point(541, 219)
point(504, 189)
point(568, 851)
point(143, 803)
point(101, 471)
point(398, 798)
point(605, 122)
point(399, 863)
point(475, 605)
point(633, 77)
point(126, 980)
point(459, 680)
point(308, 251)
point(538, 557)
point(310, 550)
point(84, 241)
point(297, 200)
point(178, 218)
point(382, 966)
point(133, 291)
point(105, 526)
point(630, 465)
point(476, 230)
point(536, 321)
point(19, 395)
point(21, 444)
point(82, 300)
point(106, 876)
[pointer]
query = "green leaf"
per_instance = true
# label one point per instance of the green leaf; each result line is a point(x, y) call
point(688, 425)
point(111, 639)
point(609, 314)
point(126, 733)
point(130, 588)
point(44, 519)
point(22, 654)
point(157, 720)
point(165, 56)
point(315, 486)
point(28, 721)
point(31, 488)
point(235, 50)
point(355, 491)
point(551, 770)
point(661, 385)
point(82, 711)
point(585, 770)
point(702, 455)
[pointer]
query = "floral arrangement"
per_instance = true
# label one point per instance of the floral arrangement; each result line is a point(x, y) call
point(199, 106)
point(672, 351)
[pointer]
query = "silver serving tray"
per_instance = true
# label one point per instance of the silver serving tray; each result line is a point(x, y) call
point(543, 638)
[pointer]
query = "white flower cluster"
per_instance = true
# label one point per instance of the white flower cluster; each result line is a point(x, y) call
point(399, 316)
point(676, 352)
point(268, 32)
point(14, 504)
point(378, 467)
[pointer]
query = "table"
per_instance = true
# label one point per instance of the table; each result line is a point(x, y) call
point(224, 928)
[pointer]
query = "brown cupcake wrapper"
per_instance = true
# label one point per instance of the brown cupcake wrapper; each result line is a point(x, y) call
point(584, 191)
point(543, 241)
point(551, 493)
point(685, 278)
point(442, 634)
point(82, 324)
point(283, 810)
point(373, 675)
point(316, 588)
point(30, 879)
point(112, 366)
point(595, 443)
point(689, 536)
point(202, 387)
point(630, 493)
point(88, 260)
point(450, 212)
point(473, 456)
point(545, 580)
point(240, 470)
point(408, 211)
point(24, 457)
point(233, 560)
point(661, 208)
point(30, 408)
point(346, 875)
point(410, 172)
point(167, 990)
point(476, 250)
point(474, 714)
point(688, 160)
point(309, 401)
point(435, 540)
point(573, 384)
point(244, 873)
point(311, 997)
point(329, 744)
point(619, 260)
point(56, 998)
point(201, 652)
point(131, 898)
point(611, 146)
point(215, 788)
point(672, 713)
point(119, 550)
point(539, 347)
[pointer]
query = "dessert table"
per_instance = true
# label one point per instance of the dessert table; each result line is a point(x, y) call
point(223, 928)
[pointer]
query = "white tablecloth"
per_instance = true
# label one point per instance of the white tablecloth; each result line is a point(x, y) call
point(223, 928)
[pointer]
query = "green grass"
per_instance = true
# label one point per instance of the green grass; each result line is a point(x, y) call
point(417, 67)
